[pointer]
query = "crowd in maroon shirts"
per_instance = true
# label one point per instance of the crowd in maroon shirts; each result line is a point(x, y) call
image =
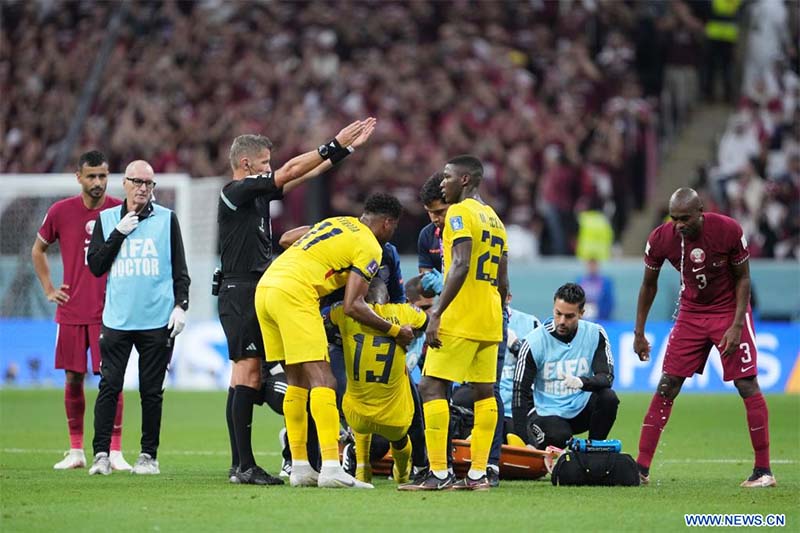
point(755, 176)
point(559, 99)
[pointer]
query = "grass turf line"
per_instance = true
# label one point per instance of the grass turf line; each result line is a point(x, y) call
point(703, 455)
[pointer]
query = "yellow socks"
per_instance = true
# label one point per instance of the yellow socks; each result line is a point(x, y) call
point(363, 466)
point(483, 433)
point(437, 420)
point(401, 471)
point(326, 416)
point(294, 412)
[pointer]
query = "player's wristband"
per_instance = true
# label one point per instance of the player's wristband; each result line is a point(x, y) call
point(394, 330)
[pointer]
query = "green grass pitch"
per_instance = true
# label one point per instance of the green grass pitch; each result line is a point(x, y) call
point(704, 454)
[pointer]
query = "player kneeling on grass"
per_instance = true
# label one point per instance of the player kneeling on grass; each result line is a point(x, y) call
point(567, 365)
point(378, 397)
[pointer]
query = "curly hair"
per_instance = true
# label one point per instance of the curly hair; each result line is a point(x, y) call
point(380, 203)
point(432, 189)
point(572, 293)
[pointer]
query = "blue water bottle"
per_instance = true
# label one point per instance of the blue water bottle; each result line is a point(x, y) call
point(589, 445)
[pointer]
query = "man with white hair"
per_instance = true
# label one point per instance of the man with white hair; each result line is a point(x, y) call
point(139, 245)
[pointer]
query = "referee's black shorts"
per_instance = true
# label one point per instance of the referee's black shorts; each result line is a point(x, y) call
point(237, 313)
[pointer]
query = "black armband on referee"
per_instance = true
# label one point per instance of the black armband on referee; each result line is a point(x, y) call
point(334, 151)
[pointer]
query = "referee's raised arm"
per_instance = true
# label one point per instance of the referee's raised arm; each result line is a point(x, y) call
point(245, 240)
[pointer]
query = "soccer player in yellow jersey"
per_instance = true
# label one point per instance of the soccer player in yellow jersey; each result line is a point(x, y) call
point(465, 326)
point(378, 397)
point(336, 252)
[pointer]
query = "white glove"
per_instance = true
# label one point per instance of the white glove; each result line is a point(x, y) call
point(411, 361)
point(572, 382)
point(511, 337)
point(414, 352)
point(128, 223)
point(177, 319)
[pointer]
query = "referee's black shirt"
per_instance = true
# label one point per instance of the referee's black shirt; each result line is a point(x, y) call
point(245, 229)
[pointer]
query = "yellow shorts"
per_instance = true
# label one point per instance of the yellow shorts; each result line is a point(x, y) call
point(291, 325)
point(462, 360)
point(394, 428)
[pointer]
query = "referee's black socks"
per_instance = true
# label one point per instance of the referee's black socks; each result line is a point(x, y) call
point(243, 399)
point(231, 430)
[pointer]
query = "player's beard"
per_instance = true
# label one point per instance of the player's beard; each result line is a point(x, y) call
point(566, 331)
point(97, 192)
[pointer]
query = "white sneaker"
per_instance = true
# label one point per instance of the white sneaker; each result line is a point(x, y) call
point(334, 477)
point(759, 480)
point(118, 462)
point(145, 464)
point(74, 458)
point(101, 465)
point(303, 476)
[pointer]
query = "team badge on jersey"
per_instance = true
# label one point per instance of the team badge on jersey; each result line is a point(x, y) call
point(372, 268)
point(697, 255)
point(456, 223)
point(89, 227)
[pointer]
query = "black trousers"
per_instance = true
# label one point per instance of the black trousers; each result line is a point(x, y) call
point(597, 417)
point(499, 437)
point(416, 431)
point(155, 351)
point(719, 58)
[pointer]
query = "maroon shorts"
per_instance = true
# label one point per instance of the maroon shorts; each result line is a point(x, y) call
point(72, 341)
point(692, 337)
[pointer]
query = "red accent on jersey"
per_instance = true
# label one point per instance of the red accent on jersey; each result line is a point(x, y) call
point(707, 262)
point(70, 223)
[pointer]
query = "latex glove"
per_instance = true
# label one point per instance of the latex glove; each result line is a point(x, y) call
point(128, 223)
point(177, 320)
point(511, 337)
point(414, 352)
point(572, 382)
point(432, 281)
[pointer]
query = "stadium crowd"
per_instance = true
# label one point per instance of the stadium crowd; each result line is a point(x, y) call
point(559, 99)
point(565, 102)
point(755, 174)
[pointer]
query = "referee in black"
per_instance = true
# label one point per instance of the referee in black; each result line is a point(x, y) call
point(245, 240)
